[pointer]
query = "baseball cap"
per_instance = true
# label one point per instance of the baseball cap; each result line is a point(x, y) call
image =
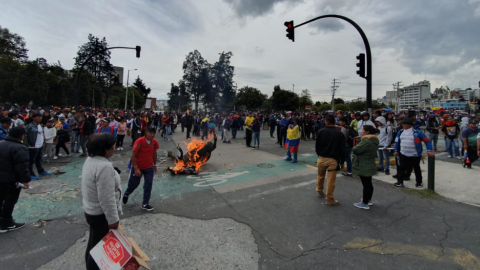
point(61, 117)
point(106, 120)
point(407, 120)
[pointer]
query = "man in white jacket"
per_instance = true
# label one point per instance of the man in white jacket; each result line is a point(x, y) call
point(50, 133)
point(385, 140)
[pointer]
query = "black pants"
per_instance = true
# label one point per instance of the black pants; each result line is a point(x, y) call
point(195, 130)
point(272, 130)
point(279, 135)
point(135, 136)
point(98, 229)
point(183, 127)
point(9, 194)
point(367, 188)
point(62, 142)
point(407, 164)
point(83, 143)
point(249, 136)
point(189, 129)
point(283, 136)
point(120, 139)
point(472, 156)
point(35, 158)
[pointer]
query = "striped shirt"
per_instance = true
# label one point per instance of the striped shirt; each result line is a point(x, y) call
point(407, 143)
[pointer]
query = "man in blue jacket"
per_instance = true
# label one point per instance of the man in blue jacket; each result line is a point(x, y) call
point(14, 173)
point(408, 149)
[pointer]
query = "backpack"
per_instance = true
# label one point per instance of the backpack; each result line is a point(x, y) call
point(352, 133)
point(111, 129)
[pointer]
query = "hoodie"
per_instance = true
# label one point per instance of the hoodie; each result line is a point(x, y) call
point(385, 136)
point(50, 133)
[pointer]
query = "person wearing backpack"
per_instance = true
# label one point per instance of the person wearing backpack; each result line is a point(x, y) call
point(350, 135)
point(106, 128)
point(384, 138)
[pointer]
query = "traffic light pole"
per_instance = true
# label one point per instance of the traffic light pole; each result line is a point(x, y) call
point(368, 53)
point(77, 87)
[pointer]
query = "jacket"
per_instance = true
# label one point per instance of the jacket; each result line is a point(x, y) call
point(31, 132)
point(50, 134)
point(86, 128)
point(432, 123)
point(14, 160)
point(330, 143)
point(3, 133)
point(364, 154)
point(419, 137)
point(385, 136)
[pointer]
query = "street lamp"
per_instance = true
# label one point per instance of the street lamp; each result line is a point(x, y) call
point(126, 93)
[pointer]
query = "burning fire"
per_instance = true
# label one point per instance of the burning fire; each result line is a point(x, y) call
point(192, 159)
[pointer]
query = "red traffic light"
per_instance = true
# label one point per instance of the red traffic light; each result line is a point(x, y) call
point(290, 30)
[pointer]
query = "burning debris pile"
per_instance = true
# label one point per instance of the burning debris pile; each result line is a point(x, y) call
point(198, 153)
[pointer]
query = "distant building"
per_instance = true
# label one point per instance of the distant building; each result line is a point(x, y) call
point(451, 104)
point(412, 95)
point(161, 104)
point(119, 72)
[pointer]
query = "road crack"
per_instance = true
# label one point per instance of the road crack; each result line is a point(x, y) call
point(449, 229)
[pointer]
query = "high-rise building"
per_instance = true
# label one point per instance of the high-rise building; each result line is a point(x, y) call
point(119, 72)
point(413, 95)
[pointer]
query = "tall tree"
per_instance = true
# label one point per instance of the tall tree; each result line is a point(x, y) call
point(222, 80)
point(30, 84)
point(284, 100)
point(13, 45)
point(8, 72)
point(305, 99)
point(250, 97)
point(194, 69)
point(142, 87)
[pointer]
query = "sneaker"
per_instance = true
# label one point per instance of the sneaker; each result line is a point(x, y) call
point(395, 176)
point(60, 155)
point(379, 169)
point(34, 177)
point(347, 174)
point(398, 185)
point(332, 203)
point(118, 149)
point(369, 202)
point(387, 172)
point(125, 199)
point(14, 226)
point(55, 157)
point(288, 159)
point(45, 173)
point(458, 157)
point(147, 207)
point(294, 161)
point(449, 156)
point(419, 185)
point(361, 205)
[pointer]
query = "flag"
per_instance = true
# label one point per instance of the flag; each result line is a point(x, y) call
point(438, 109)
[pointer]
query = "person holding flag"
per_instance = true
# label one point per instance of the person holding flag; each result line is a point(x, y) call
point(293, 141)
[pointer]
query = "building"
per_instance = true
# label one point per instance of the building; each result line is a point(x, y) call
point(454, 104)
point(161, 104)
point(413, 95)
point(119, 72)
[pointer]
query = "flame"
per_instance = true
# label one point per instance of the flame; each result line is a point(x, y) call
point(194, 159)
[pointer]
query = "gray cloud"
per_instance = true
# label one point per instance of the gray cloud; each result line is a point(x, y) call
point(254, 8)
point(253, 75)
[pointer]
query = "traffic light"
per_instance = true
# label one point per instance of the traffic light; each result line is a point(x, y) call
point(290, 30)
point(138, 49)
point(361, 65)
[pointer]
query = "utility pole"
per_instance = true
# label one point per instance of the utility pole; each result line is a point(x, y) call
point(335, 85)
point(126, 93)
point(293, 87)
point(396, 88)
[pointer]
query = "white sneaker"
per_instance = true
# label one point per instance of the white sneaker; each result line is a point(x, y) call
point(458, 157)
point(60, 155)
point(369, 203)
point(118, 149)
point(449, 156)
point(55, 157)
point(121, 148)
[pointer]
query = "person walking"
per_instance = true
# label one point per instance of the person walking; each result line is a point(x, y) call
point(226, 129)
point(143, 162)
point(34, 140)
point(248, 129)
point(256, 125)
point(74, 123)
point(85, 132)
point(235, 126)
point(205, 126)
point(470, 141)
point(121, 132)
point(408, 147)
point(50, 134)
point(451, 131)
point(101, 192)
point(385, 138)
point(364, 154)
point(14, 173)
point(433, 127)
point(62, 132)
point(292, 142)
point(330, 148)
point(188, 124)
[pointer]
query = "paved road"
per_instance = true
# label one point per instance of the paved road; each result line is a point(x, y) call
point(249, 209)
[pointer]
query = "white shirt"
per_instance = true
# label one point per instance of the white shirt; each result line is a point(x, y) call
point(40, 138)
point(407, 143)
point(50, 134)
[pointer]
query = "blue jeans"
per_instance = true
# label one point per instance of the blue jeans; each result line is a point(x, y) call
point(449, 143)
point(289, 155)
point(167, 131)
point(348, 159)
point(234, 133)
point(256, 139)
point(75, 139)
point(134, 181)
point(383, 155)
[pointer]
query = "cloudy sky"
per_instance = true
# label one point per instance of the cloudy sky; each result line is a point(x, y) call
point(411, 39)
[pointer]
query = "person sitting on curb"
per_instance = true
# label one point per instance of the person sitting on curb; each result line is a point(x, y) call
point(408, 147)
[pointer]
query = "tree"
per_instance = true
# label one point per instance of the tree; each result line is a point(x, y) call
point(222, 81)
point(358, 106)
point(305, 99)
point(325, 107)
point(317, 104)
point(30, 84)
point(194, 69)
point(250, 97)
point(342, 107)
point(284, 100)
point(13, 45)
point(9, 68)
point(338, 101)
point(142, 88)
